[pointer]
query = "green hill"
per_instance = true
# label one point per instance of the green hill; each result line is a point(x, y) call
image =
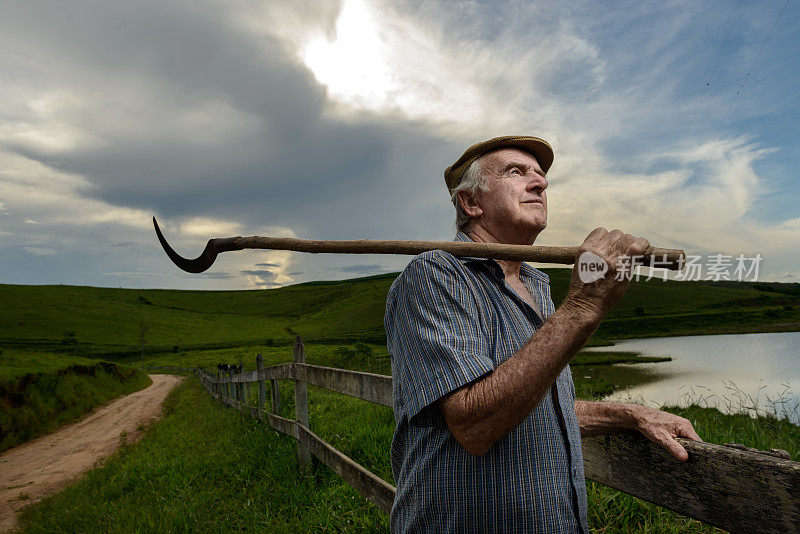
point(108, 321)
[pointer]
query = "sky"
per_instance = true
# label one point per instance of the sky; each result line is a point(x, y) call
point(671, 120)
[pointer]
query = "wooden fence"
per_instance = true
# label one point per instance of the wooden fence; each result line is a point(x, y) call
point(733, 488)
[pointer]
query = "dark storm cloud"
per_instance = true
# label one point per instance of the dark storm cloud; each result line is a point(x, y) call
point(255, 147)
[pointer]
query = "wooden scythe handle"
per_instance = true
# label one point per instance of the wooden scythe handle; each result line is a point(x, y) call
point(662, 257)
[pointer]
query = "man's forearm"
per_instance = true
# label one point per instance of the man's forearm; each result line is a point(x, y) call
point(596, 418)
point(485, 411)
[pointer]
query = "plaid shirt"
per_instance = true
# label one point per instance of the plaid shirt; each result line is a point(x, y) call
point(450, 321)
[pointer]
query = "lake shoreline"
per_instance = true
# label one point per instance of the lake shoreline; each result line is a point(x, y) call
point(754, 372)
point(717, 331)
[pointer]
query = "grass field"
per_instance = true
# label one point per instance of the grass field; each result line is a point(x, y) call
point(107, 322)
point(206, 468)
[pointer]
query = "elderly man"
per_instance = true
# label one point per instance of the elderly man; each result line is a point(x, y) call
point(488, 435)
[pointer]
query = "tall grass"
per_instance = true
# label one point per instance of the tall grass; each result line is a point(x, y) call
point(34, 404)
point(16, 362)
point(205, 468)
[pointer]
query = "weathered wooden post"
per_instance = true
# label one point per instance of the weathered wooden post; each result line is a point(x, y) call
point(301, 407)
point(276, 396)
point(242, 388)
point(262, 386)
point(217, 386)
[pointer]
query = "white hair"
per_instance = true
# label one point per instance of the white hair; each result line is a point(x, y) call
point(473, 181)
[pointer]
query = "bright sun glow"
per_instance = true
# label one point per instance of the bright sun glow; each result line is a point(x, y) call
point(380, 61)
point(353, 66)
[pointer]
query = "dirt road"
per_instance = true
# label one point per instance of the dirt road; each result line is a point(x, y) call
point(43, 466)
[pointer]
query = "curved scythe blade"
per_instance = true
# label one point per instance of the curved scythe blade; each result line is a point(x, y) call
point(204, 260)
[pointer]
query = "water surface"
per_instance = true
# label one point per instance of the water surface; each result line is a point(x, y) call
point(759, 373)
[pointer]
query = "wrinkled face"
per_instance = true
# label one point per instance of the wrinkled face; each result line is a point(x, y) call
point(515, 207)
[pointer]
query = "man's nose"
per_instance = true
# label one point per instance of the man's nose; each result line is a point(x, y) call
point(537, 182)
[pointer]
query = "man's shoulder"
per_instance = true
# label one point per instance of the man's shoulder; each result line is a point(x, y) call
point(433, 264)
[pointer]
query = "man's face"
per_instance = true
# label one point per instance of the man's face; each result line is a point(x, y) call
point(514, 210)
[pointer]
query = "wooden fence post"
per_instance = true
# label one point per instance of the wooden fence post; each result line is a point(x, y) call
point(301, 407)
point(262, 386)
point(275, 392)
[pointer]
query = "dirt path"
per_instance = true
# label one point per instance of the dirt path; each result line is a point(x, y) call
point(46, 464)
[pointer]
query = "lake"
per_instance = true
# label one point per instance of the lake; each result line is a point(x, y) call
point(754, 372)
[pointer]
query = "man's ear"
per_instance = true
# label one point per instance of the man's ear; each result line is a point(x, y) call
point(469, 204)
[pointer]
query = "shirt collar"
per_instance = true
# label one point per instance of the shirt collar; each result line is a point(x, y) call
point(525, 270)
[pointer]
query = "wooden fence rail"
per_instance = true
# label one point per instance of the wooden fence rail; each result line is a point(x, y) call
point(732, 488)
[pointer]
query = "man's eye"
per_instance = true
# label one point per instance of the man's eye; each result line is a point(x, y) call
point(515, 171)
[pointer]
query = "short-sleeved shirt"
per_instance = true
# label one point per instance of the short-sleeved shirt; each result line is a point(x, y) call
point(450, 321)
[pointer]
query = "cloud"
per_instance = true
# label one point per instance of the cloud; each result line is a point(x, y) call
point(205, 227)
point(39, 251)
point(258, 272)
point(216, 275)
point(784, 276)
point(370, 268)
point(277, 119)
point(137, 274)
point(261, 277)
